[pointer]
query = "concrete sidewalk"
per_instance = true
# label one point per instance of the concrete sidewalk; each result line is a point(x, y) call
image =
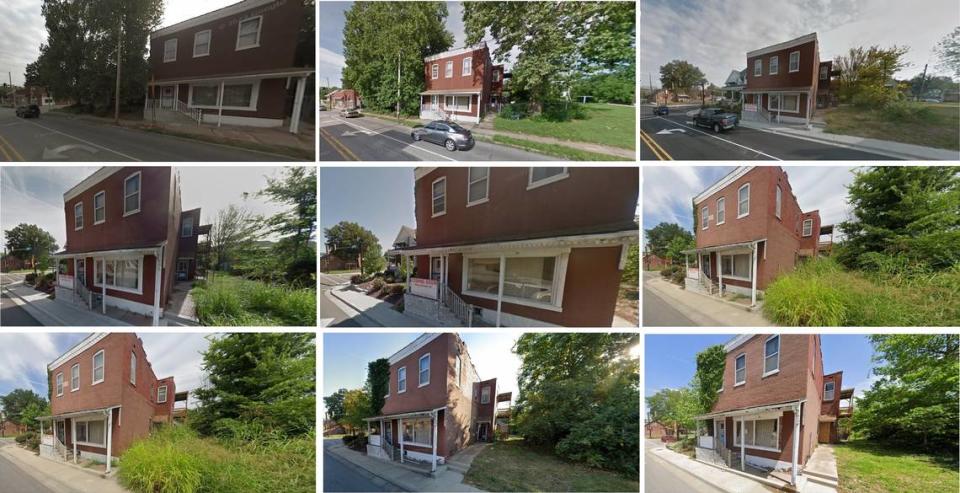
point(702, 309)
point(725, 481)
point(379, 311)
point(896, 150)
point(58, 476)
point(50, 312)
point(445, 480)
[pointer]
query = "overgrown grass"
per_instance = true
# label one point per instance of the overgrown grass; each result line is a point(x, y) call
point(604, 124)
point(561, 151)
point(177, 460)
point(865, 467)
point(823, 293)
point(512, 465)
point(937, 125)
point(225, 300)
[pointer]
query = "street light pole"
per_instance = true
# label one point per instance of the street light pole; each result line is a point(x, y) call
point(116, 102)
point(398, 86)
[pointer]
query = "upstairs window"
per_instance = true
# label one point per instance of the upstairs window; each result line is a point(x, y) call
point(434, 71)
point(478, 185)
point(807, 227)
point(721, 211)
point(771, 355)
point(778, 201)
point(75, 377)
point(201, 43)
point(496, 76)
point(485, 395)
point(758, 67)
point(133, 368)
point(248, 33)
point(59, 384)
point(704, 217)
point(162, 394)
point(448, 70)
point(78, 216)
point(401, 380)
point(774, 65)
point(186, 230)
point(795, 61)
point(828, 389)
point(439, 197)
point(424, 365)
point(170, 50)
point(540, 176)
point(740, 375)
point(98, 367)
point(99, 207)
point(467, 68)
point(131, 194)
point(823, 72)
point(743, 201)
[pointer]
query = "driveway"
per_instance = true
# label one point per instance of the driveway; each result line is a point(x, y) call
point(678, 139)
point(667, 305)
point(338, 475)
point(373, 139)
point(658, 312)
point(11, 315)
point(61, 137)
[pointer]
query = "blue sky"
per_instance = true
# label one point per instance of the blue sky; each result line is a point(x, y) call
point(345, 357)
point(669, 190)
point(670, 360)
point(24, 358)
point(379, 199)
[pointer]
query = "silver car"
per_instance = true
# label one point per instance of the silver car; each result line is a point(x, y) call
point(448, 134)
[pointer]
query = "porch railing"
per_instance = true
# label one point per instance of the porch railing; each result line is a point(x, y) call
point(460, 309)
point(152, 106)
point(83, 293)
point(59, 447)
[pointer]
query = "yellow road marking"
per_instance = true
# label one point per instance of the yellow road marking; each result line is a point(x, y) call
point(5, 143)
point(658, 151)
point(338, 146)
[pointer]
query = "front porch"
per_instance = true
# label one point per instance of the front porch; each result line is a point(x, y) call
point(408, 438)
point(450, 105)
point(727, 271)
point(79, 436)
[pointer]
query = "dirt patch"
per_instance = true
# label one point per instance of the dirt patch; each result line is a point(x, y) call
point(628, 304)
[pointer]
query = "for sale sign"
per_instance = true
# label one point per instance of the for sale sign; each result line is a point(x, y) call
point(424, 287)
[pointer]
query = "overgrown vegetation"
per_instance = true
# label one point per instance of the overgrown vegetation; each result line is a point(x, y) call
point(867, 467)
point(562, 151)
point(225, 300)
point(599, 123)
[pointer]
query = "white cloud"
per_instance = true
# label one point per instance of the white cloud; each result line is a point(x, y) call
point(177, 355)
point(23, 360)
point(330, 67)
point(492, 355)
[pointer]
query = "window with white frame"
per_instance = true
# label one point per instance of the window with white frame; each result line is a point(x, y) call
point(828, 390)
point(248, 33)
point(794, 61)
point(240, 96)
point(162, 394)
point(483, 275)
point(439, 196)
point(434, 71)
point(784, 103)
point(478, 185)
point(448, 70)
point(807, 227)
point(133, 368)
point(543, 175)
point(98, 361)
point(485, 395)
point(131, 194)
point(418, 431)
point(740, 373)
point(75, 377)
point(401, 379)
point(467, 67)
point(496, 75)
point(527, 280)
point(743, 201)
point(758, 433)
point(78, 216)
point(100, 207)
point(92, 432)
point(170, 50)
point(778, 199)
point(758, 67)
point(59, 384)
point(721, 211)
point(186, 230)
point(201, 43)
point(736, 266)
point(424, 367)
point(122, 274)
point(458, 103)
point(204, 95)
point(823, 72)
point(774, 65)
point(704, 217)
point(771, 355)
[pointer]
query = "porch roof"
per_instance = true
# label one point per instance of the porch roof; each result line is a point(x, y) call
point(765, 90)
point(752, 410)
point(433, 92)
point(252, 74)
point(611, 237)
point(148, 248)
point(102, 410)
point(728, 246)
point(425, 412)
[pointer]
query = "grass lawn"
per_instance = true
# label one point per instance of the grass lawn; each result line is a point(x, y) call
point(513, 466)
point(226, 300)
point(345, 271)
point(869, 468)
point(605, 124)
point(940, 130)
point(567, 153)
point(408, 121)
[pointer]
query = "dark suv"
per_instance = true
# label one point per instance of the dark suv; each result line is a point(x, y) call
point(29, 111)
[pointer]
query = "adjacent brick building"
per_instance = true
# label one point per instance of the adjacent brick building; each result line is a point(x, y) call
point(461, 85)
point(782, 81)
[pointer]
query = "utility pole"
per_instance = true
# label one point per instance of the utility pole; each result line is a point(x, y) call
point(398, 86)
point(116, 102)
point(923, 82)
point(651, 87)
point(12, 92)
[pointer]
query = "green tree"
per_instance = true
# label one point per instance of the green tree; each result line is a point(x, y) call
point(865, 74)
point(233, 231)
point(32, 411)
point(379, 35)
point(904, 218)
point(675, 408)
point(631, 273)
point(680, 75)
point(296, 225)
point(377, 384)
point(676, 247)
point(356, 407)
point(709, 377)
point(334, 405)
point(264, 378)
point(18, 401)
point(914, 403)
point(948, 51)
point(660, 237)
point(348, 240)
point(30, 242)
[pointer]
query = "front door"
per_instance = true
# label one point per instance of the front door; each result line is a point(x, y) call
point(824, 435)
point(436, 268)
point(483, 432)
point(705, 264)
point(434, 104)
point(166, 96)
point(62, 431)
point(81, 272)
point(183, 266)
point(721, 427)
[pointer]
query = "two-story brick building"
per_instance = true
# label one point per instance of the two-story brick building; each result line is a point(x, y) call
point(104, 396)
point(749, 230)
point(128, 240)
point(461, 85)
point(782, 81)
point(774, 406)
point(238, 65)
point(436, 403)
point(521, 247)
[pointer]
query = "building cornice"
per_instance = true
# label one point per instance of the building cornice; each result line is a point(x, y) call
point(87, 343)
point(413, 347)
point(731, 177)
point(458, 51)
point(784, 45)
point(98, 176)
point(230, 10)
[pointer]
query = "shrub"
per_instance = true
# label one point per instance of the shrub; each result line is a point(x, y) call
point(30, 279)
point(397, 289)
point(902, 110)
point(378, 284)
point(678, 276)
point(356, 279)
point(29, 439)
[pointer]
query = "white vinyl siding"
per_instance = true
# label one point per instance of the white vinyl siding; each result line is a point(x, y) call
point(771, 355)
point(439, 188)
point(743, 201)
point(740, 373)
point(248, 33)
point(201, 43)
point(721, 211)
point(807, 227)
point(170, 50)
point(794, 61)
point(478, 185)
point(424, 370)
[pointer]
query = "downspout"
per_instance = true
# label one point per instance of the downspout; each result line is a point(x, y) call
point(753, 287)
point(796, 444)
point(298, 105)
point(103, 285)
point(156, 285)
point(109, 438)
point(220, 105)
point(743, 445)
point(433, 464)
point(73, 433)
point(400, 432)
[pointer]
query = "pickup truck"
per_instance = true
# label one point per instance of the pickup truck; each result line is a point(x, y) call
point(715, 118)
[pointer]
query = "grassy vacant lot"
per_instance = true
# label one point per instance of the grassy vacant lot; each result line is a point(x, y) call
point(560, 151)
point(228, 300)
point(176, 460)
point(822, 293)
point(940, 129)
point(512, 465)
point(871, 468)
point(605, 124)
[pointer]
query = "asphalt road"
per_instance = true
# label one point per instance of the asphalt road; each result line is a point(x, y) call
point(65, 138)
point(13, 480)
point(675, 137)
point(657, 312)
point(662, 477)
point(338, 475)
point(372, 139)
point(12, 315)
point(330, 314)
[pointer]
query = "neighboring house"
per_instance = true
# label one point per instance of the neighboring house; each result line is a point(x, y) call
point(827, 85)
point(751, 222)
point(656, 429)
point(782, 81)
point(462, 84)
point(10, 263)
point(652, 262)
point(104, 397)
point(435, 405)
point(9, 428)
point(127, 240)
point(330, 262)
point(734, 85)
point(342, 99)
point(406, 238)
point(521, 247)
point(774, 388)
point(238, 65)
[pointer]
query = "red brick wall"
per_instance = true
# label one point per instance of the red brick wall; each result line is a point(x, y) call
point(475, 81)
point(788, 384)
point(417, 398)
point(806, 76)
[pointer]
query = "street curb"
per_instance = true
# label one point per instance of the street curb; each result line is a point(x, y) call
point(404, 487)
point(44, 318)
point(356, 310)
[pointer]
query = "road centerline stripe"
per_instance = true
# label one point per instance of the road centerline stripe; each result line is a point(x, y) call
point(338, 146)
point(721, 139)
point(86, 142)
point(16, 154)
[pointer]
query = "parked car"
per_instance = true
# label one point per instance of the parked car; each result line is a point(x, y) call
point(661, 110)
point(715, 118)
point(29, 111)
point(350, 112)
point(448, 134)
point(931, 100)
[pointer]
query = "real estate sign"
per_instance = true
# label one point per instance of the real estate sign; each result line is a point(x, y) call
point(426, 288)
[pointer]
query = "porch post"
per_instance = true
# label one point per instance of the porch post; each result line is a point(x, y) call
point(298, 105)
point(220, 105)
point(406, 262)
point(400, 432)
point(796, 444)
point(73, 438)
point(743, 445)
point(109, 438)
point(158, 255)
point(720, 271)
point(503, 269)
point(753, 288)
point(103, 284)
point(433, 465)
